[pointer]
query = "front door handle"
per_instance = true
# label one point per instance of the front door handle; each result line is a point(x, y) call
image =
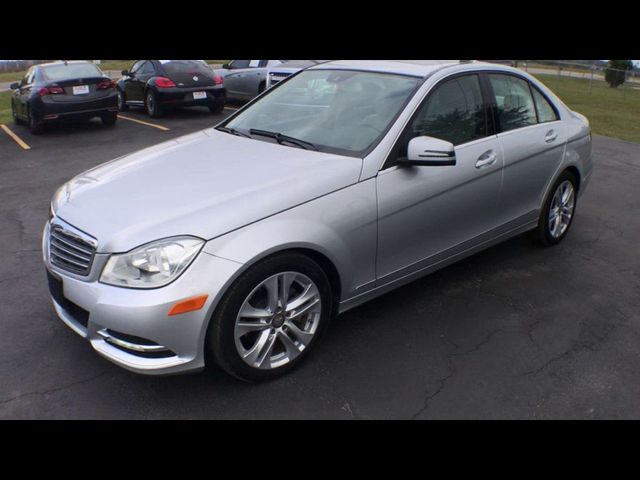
point(550, 136)
point(487, 159)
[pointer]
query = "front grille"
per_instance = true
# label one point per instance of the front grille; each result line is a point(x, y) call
point(70, 249)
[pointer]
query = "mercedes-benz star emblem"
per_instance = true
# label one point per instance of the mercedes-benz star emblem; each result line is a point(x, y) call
point(195, 79)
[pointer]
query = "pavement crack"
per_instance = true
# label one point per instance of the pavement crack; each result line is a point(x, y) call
point(442, 382)
point(52, 390)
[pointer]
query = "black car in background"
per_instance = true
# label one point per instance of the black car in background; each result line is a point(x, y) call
point(158, 84)
point(75, 90)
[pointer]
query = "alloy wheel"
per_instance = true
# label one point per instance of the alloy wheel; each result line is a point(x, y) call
point(561, 209)
point(277, 320)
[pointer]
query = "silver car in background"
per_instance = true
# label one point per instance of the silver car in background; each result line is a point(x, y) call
point(239, 243)
point(246, 79)
point(290, 67)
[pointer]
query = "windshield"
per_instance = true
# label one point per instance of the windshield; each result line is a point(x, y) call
point(341, 111)
point(59, 72)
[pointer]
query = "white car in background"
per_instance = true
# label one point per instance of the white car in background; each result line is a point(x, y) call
point(281, 72)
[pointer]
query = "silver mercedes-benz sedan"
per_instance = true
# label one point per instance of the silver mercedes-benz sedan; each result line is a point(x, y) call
point(236, 245)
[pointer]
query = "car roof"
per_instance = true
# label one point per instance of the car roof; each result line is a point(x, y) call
point(420, 68)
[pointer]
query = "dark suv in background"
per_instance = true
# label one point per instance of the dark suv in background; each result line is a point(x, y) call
point(158, 84)
point(75, 90)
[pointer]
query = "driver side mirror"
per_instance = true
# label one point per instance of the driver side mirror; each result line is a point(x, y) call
point(226, 66)
point(14, 86)
point(126, 73)
point(430, 152)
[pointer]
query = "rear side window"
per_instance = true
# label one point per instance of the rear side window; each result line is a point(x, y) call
point(239, 64)
point(454, 112)
point(514, 102)
point(546, 113)
point(55, 73)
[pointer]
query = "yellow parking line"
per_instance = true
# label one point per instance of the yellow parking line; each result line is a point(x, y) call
point(17, 139)
point(159, 127)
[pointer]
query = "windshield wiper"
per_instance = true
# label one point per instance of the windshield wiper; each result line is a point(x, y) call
point(280, 138)
point(233, 131)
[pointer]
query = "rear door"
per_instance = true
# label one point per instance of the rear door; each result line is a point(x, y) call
point(427, 214)
point(243, 79)
point(533, 140)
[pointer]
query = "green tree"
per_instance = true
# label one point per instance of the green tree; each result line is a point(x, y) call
point(616, 72)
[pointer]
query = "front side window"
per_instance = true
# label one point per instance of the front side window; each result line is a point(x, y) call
point(454, 112)
point(147, 69)
point(136, 66)
point(514, 102)
point(343, 111)
point(236, 64)
point(546, 113)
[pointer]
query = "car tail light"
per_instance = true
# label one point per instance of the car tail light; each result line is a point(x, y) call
point(104, 84)
point(164, 82)
point(50, 91)
point(218, 80)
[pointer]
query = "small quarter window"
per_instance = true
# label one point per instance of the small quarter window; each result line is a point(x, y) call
point(514, 102)
point(546, 113)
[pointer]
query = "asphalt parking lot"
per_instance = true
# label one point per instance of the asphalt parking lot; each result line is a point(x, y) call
point(517, 331)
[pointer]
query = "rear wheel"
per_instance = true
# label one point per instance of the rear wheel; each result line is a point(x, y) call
point(217, 106)
point(151, 104)
point(36, 125)
point(122, 101)
point(109, 118)
point(558, 210)
point(271, 318)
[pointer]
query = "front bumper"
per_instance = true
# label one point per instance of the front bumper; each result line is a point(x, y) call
point(130, 327)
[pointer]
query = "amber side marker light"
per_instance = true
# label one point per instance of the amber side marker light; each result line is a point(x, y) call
point(188, 305)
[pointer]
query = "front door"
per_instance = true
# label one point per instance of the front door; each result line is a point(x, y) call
point(427, 214)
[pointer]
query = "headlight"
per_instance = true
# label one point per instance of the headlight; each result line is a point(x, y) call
point(152, 265)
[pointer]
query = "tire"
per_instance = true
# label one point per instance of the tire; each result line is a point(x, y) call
point(122, 99)
point(36, 126)
point(217, 106)
point(262, 87)
point(558, 211)
point(154, 110)
point(16, 120)
point(109, 119)
point(226, 350)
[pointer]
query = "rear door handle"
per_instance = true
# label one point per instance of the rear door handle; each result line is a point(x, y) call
point(550, 136)
point(487, 159)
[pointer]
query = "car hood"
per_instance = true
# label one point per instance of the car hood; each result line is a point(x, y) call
point(204, 184)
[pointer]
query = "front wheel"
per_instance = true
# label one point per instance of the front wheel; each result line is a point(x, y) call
point(271, 318)
point(151, 104)
point(558, 210)
point(14, 114)
point(122, 101)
